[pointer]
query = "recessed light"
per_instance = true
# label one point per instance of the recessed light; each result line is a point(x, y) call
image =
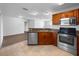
point(33, 13)
point(20, 16)
point(60, 3)
point(47, 13)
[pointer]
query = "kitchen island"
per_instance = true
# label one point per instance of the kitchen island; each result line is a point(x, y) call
point(42, 36)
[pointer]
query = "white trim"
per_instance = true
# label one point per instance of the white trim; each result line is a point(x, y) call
point(1, 30)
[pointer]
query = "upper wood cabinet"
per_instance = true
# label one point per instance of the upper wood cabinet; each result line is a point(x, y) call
point(56, 19)
point(67, 14)
point(73, 13)
point(76, 14)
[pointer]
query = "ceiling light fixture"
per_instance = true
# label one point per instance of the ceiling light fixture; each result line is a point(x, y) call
point(60, 3)
point(47, 13)
point(20, 16)
point(34, 13)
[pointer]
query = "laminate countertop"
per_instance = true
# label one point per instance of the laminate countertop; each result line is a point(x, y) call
point(42, 30)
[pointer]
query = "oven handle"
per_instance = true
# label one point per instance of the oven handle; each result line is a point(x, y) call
point(66, 35)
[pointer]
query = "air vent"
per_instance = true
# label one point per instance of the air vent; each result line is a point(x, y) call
point(25, 9)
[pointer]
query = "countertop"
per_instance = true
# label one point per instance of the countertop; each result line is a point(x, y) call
point(33, 30)
point(42, 30)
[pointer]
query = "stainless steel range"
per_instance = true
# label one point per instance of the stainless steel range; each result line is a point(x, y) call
point(67, 40)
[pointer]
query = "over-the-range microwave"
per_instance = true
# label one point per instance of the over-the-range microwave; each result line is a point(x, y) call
point(68, 21)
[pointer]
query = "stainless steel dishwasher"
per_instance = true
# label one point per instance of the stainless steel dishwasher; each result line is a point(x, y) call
point(32, 38)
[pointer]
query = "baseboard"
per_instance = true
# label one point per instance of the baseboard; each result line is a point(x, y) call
point(13, 35)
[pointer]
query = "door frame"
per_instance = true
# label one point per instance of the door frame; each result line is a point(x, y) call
point(1, 29)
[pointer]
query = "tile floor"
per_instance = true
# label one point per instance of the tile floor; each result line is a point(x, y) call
point(22, 49)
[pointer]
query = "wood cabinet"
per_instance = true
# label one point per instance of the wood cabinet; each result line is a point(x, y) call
point(73, 13)
point(54, 38)
point(78, 45)
point(76, 14)
point(47, 38)
point(67, 14)
point(56, 19)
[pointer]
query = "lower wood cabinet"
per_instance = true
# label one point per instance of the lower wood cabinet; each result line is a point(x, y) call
point(78, 45)
point(47, 38)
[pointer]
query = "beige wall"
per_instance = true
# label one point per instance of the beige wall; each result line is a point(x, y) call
point(12, 25)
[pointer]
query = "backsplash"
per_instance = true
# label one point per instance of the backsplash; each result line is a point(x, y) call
point(77, 27)
point(58, 26)
point(55, 26)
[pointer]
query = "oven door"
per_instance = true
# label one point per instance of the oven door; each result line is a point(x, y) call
point(67, 40)
point(67, 43)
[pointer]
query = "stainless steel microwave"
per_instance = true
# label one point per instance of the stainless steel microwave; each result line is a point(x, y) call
point(68, 21)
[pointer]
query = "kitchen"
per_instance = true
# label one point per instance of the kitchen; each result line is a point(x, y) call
point(47, 28)
point(68, 22)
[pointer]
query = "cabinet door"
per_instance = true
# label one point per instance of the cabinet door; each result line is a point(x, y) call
point(64, 15)
point(67, 14)
point(54, 37)
point(76, 14)
point(47, 38)
point(56, 19)
point(70, 14)
point(50, 38)
point(41, 38)
point(78, 45)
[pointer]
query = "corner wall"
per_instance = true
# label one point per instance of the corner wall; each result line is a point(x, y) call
point(12, 26)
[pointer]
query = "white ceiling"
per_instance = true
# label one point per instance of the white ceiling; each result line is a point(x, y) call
point(16, 9)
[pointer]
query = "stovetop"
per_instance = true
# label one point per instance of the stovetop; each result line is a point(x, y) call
point(69, 31)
